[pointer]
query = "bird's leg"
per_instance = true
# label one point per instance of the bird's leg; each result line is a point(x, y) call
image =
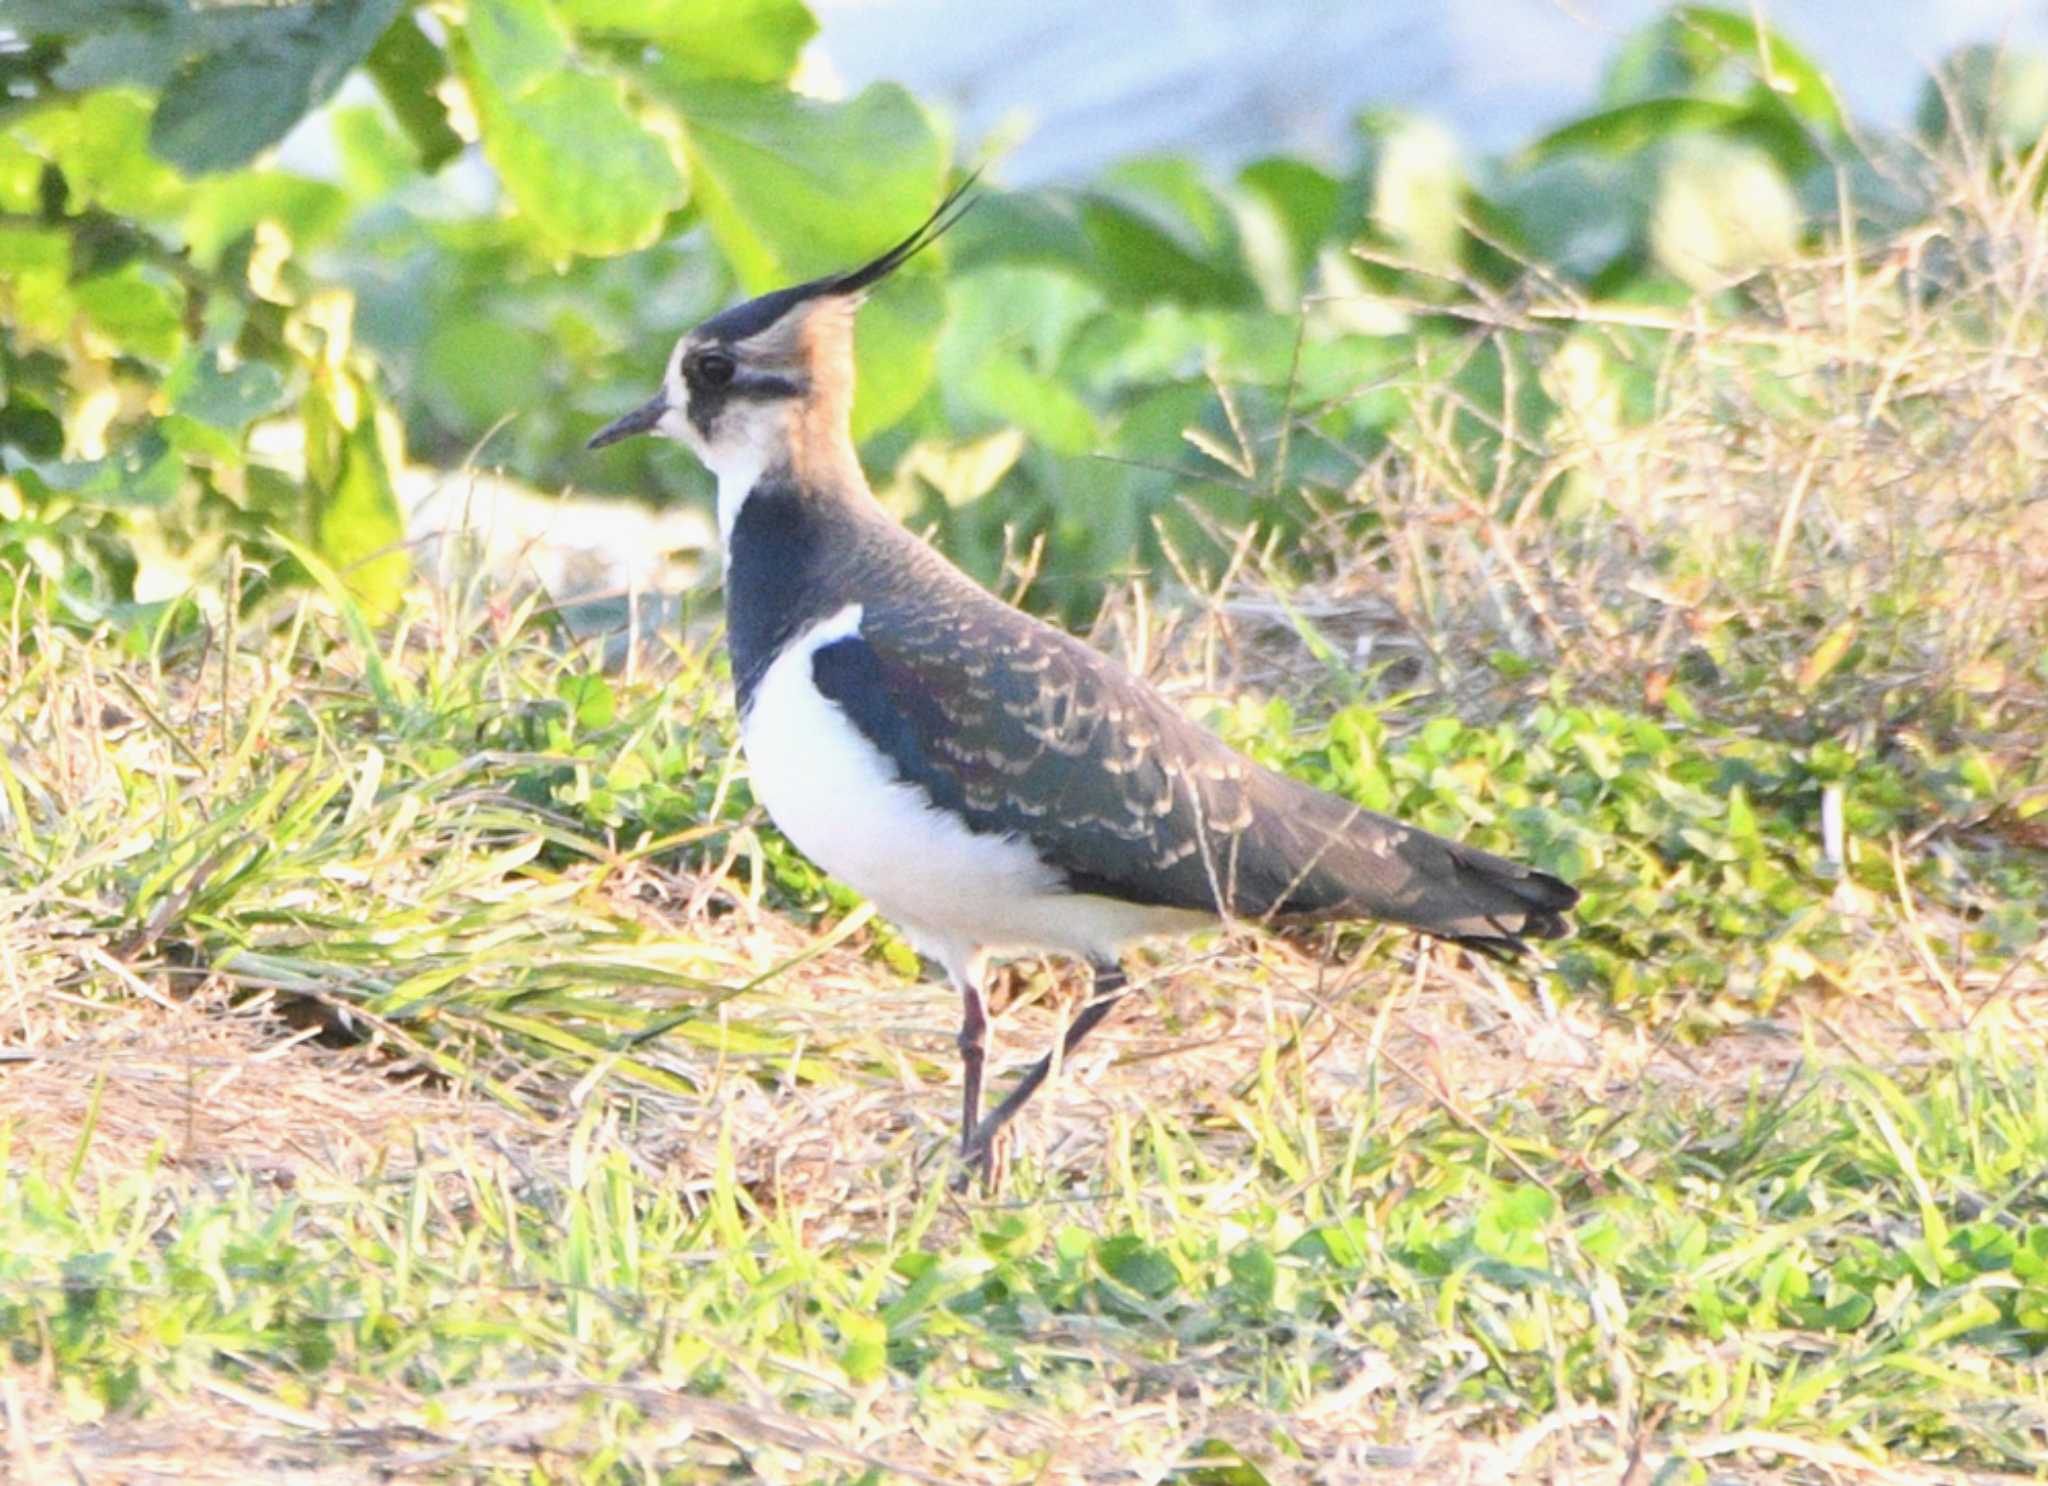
point(978, 1149)
point(973, 1049)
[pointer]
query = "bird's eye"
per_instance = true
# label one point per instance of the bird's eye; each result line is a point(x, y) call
point(715, 368)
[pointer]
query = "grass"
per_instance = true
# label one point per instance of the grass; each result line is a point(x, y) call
point(419, 1061)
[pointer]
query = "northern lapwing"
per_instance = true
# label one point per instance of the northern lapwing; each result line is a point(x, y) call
point(991, 782)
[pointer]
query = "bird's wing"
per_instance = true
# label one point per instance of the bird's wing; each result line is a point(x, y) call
point(1026, 732)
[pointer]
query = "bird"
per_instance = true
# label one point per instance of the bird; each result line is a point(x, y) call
point(992, 783)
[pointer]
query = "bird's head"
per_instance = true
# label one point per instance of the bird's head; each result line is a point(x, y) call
point(769, 383)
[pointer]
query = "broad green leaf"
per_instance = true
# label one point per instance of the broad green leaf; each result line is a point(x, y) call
point(590, 697)
point(309, 211)
point(1826, 655)
point(895, 345)
point(30, 427)
point(791, 187)
point(101, 144)
point(35, 264)
point(1579, 211)
point(223, 108)
point(754, 41)
point(1141, 262)
point(1217, 1462)
point(515, 43)
point(1001, 359)
point(407, 69)
point(1131, 1260)
point(357, 528)
point(229, 398)
point(476, 370)
point(1779, 66)
point(1180, 190)
point(1304, 204)
point(1002, 388)
point(865, 1353)
point(66, 17)
point(143, 52)
point(21, 176)
point(1630, 127)
point(143, 472)
point(376, 159)
point(141, 310)
point(581, 169)
point(1254, 1274)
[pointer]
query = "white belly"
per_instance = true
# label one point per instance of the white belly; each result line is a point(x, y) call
point(956, 892)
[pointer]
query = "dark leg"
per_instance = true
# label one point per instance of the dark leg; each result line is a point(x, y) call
point(979, 1148)
point(973, 1045)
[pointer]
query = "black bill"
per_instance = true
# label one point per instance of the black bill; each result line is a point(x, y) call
point(641, 420)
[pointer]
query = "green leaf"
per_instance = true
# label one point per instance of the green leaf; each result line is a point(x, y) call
point(866, 1351)
point(753, 41)
point(1002, 386)
point(1630, 127)
point(407, 69)
point(224, 107)
point(791, 187)
point(895, 346)
point(1139, 1265)
point(64, 17)
point(1141, 262)
point(357, 528)
point(1989, 92)
point(1510, 1226)
point(35, 264)
point(1826, 655)
point(141, 49)
point(590, 698)
point(1254, 1274)
point(140, 309)
point(478, 369)
point(31, 428)
point(309, 211)
point(1305, 205)
point(1226, 1466)
point(100, 142)
point(144, 472)
point(1780, 66)
point(1418, 190)
point(229, 398)
point(376, 159)
point(581, 169)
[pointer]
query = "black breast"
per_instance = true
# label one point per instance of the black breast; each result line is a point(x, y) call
point(796, 559)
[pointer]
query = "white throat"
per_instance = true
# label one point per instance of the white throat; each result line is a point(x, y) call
point(738, 473)
point(746, 447)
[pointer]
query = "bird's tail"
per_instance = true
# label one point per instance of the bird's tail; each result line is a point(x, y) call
point(1366, 865)
point(1496, 906)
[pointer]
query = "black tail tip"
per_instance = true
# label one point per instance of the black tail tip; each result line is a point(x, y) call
point(1544, 902)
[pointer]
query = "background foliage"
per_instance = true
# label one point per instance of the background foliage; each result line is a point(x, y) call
point(531, 197)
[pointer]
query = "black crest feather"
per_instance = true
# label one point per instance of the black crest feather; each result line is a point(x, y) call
point(743, 321)
point(957, 204)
